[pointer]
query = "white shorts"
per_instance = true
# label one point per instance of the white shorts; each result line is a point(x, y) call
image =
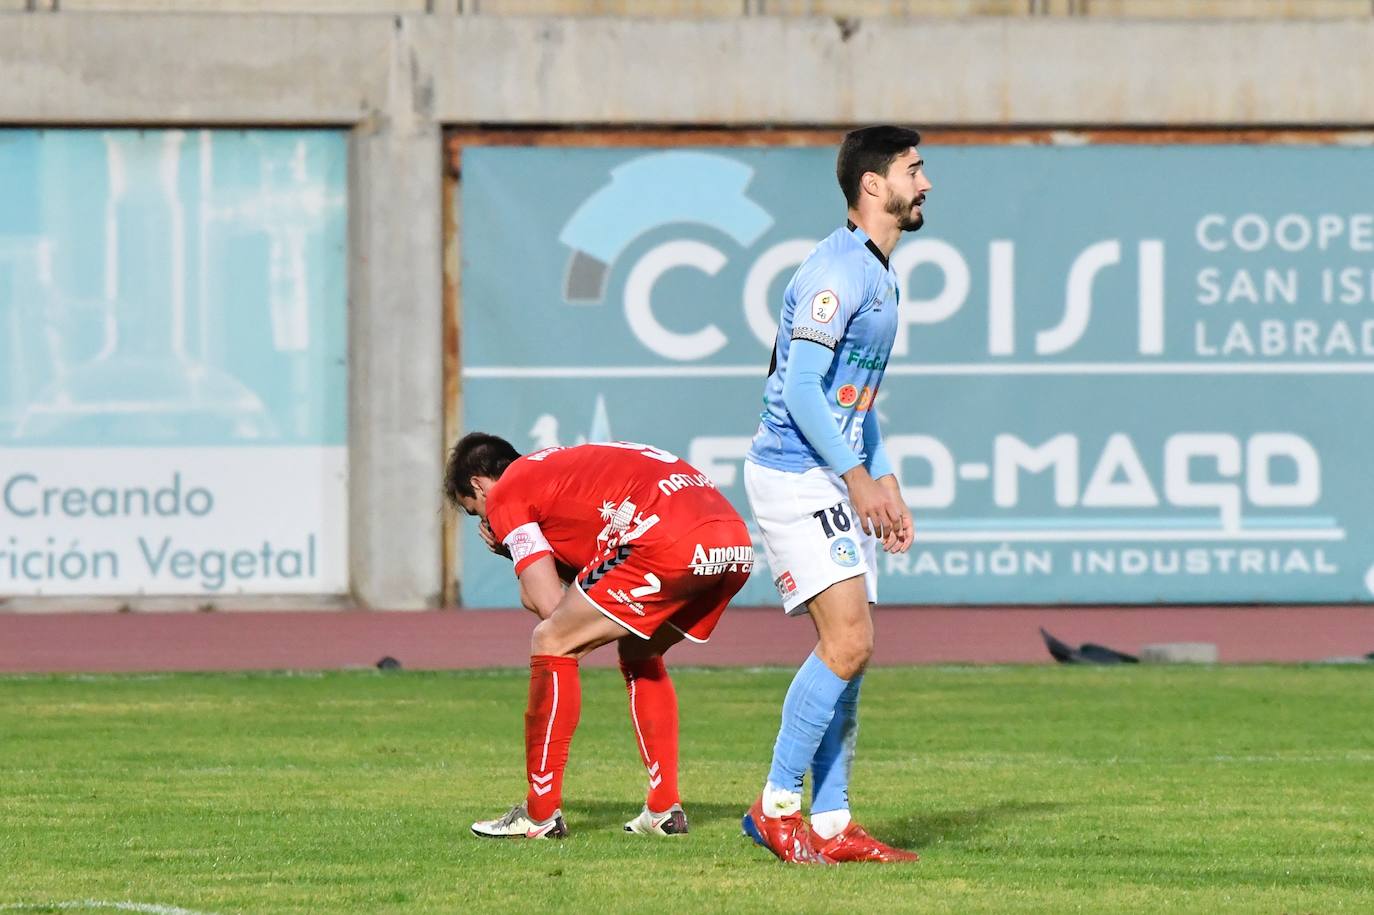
point(810, 536)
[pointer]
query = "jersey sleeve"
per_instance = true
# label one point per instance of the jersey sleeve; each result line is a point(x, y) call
point(877, 461)
point(827, 295)
point(526, 544)
point(513, 513)
point(803, 393)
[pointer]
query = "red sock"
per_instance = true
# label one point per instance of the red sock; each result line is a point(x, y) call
point(653, 710)
point(550, 719)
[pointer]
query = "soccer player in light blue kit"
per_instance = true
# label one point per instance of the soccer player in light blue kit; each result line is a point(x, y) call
point(824, 494)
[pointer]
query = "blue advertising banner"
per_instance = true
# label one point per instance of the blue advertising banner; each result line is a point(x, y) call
point(1122, 374)
point(173, 377)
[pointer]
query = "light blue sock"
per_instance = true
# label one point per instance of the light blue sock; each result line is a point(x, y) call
point(806, 714)
point(830, 769)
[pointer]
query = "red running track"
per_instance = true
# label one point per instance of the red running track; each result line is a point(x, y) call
point(449, 639)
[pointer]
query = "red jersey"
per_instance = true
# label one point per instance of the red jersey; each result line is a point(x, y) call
point(574, 503)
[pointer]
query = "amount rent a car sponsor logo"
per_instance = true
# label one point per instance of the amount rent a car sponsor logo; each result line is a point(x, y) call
point(718, 560)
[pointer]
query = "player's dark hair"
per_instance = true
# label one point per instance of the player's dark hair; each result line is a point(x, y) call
point(477, 454)
point(870, 149)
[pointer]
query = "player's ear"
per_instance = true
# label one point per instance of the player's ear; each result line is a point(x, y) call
point(477, 488)
point(869, 182)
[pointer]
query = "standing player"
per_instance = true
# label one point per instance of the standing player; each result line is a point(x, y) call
point(661, 552)
point(824, 494)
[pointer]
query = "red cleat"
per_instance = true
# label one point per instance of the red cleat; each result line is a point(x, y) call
point(788, 837)
point(855, 844)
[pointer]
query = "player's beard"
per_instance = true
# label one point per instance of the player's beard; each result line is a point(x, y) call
point(901, 209)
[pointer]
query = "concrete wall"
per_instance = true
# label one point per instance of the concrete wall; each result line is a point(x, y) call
point(206, 69)
point(699, 9)
point(397, 80)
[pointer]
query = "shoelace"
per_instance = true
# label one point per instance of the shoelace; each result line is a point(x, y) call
point(515, 813)
point(801, 847)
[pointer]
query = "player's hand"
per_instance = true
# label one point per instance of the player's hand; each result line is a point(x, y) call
point(878, 510)
point(489, 538)
point(899, 539)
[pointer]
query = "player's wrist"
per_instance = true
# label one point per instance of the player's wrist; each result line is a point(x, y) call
point(856, 474)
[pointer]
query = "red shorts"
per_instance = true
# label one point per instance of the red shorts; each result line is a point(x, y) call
point(684, 583)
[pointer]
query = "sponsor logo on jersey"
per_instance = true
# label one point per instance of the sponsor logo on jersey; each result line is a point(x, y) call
point(844, 552)
point(624, 524)
point(865, 399)
point(863, 359)
point(718, 560)
point(785, 584)
point(847, 396)
point(540, 455)
point(670, 485)
point(824, 305)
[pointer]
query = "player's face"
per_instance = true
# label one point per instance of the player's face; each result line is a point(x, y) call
point(476, 504)
point(906, 186)
point(473, 505)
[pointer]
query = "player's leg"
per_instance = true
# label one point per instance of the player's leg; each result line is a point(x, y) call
point(845, 630)
point(654, 716)
point(834, 757)
point(813, 547)
point(555, 703)
point(551, 714)
point(689, 605)
point(834, 834)
point(831, 765)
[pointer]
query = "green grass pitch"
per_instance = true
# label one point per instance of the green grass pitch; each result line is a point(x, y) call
point(1229, 789)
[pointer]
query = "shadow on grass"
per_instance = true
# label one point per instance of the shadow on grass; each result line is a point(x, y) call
point(928, 828)
point(914, 831)
point(605, 814)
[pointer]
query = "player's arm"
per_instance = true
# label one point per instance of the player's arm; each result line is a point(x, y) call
point(833, 293)
point(540, 587)
point(898, 539)
point(826, 298)
point(803, 393)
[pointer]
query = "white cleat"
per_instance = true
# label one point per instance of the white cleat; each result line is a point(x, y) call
point(517, 825)
point(672, 822)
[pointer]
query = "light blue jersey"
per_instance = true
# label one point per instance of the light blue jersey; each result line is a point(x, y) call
point(843, 297)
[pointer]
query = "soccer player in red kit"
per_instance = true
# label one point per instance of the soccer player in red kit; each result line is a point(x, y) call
point(651, 554)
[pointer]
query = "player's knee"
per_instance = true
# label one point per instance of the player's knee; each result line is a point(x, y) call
point(858, 659)
point(851, 653)
point(546, 640)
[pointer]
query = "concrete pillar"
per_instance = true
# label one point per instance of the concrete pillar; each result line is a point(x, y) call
point(395, 349)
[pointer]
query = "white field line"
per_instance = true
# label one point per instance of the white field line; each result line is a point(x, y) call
point(149, 908)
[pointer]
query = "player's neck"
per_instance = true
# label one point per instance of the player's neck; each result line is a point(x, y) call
point(881, 228)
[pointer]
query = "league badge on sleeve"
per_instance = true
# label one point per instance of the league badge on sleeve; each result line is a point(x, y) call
point(824, 305)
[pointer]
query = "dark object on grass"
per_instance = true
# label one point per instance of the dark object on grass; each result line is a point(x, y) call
point(388, 663)
point(1087, 653)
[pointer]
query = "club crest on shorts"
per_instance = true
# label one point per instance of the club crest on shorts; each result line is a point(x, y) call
point(824, 305)
point(844, 552)
point(847, 396)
